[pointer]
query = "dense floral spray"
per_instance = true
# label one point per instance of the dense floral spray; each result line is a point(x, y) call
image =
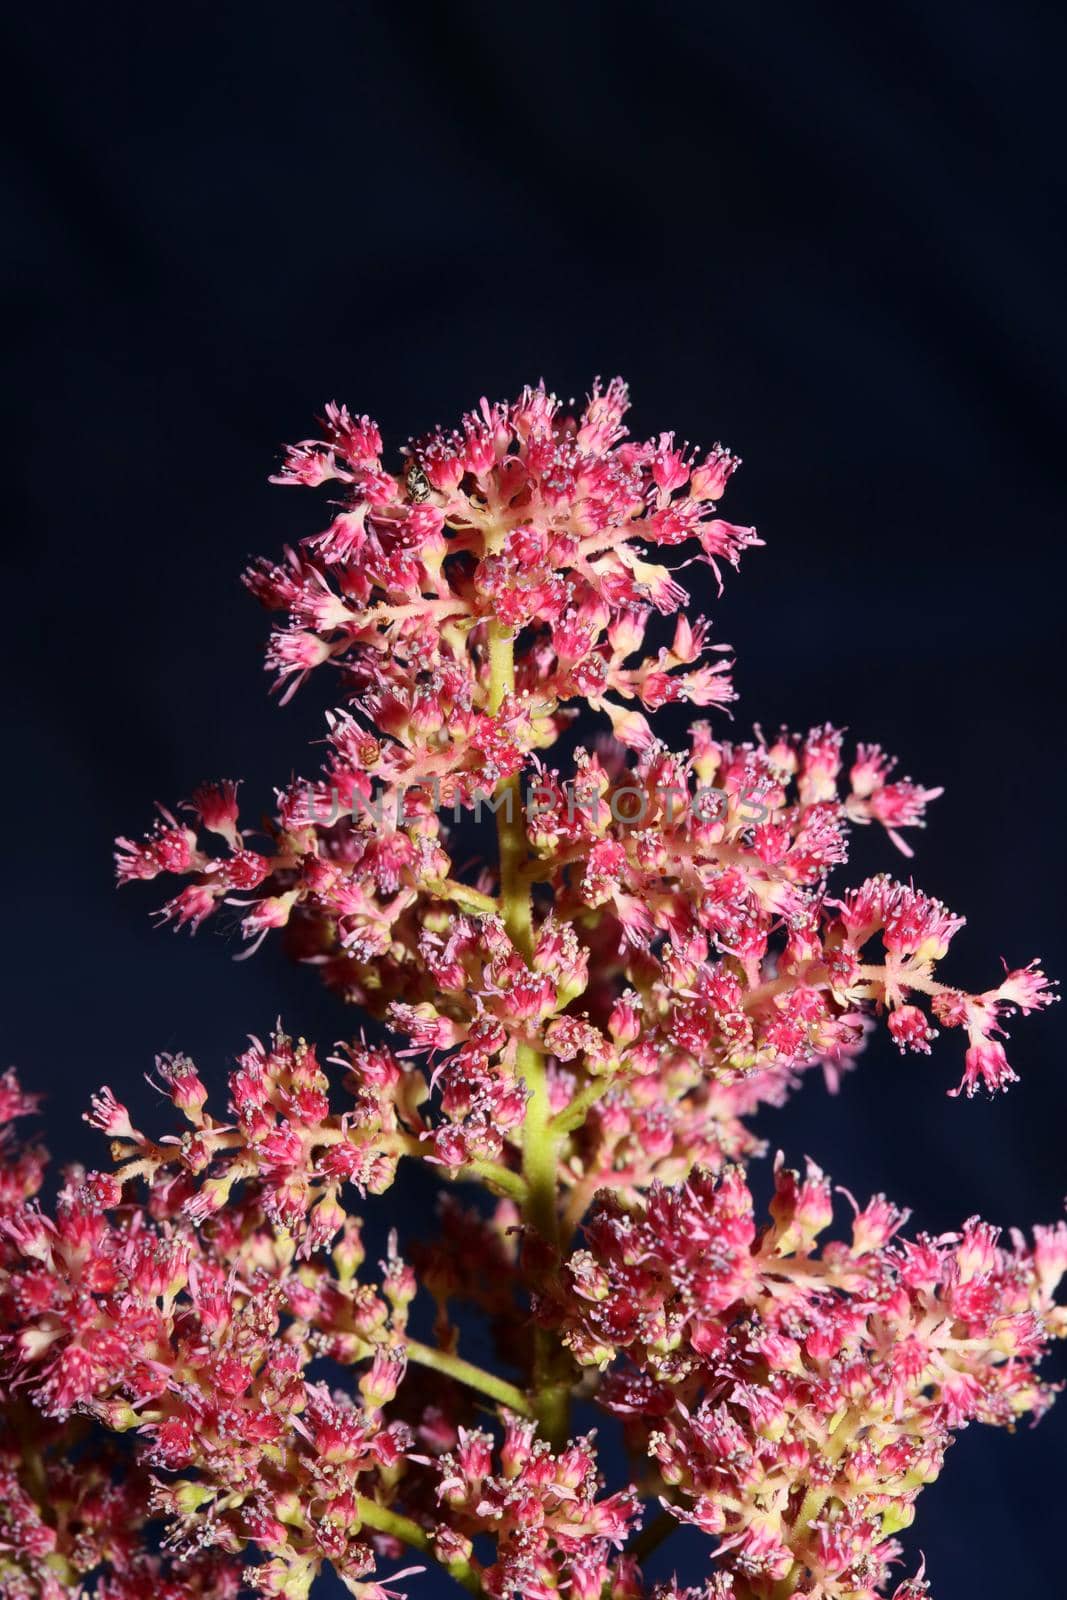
point(205, 1389)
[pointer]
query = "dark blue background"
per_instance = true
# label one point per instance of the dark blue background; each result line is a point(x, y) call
point(831, 236)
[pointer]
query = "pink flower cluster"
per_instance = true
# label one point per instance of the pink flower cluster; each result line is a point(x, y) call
point(204, 1391)
point(189, 1314)
point(540, 525)
point(796, 1400)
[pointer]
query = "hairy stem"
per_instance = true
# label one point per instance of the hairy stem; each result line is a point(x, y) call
point(467, 1373)
point(495, 1177)
point(572, 1116)
point(501, 664)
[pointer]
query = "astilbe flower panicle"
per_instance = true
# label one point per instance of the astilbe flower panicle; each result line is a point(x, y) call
point(471, 602)
point(206, 1389)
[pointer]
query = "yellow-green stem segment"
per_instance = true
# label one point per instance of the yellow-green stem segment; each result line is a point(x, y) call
point(540, 1141)
point(467, 1373)
point(383, 1520)
point(510, 824)
point(540, 1155)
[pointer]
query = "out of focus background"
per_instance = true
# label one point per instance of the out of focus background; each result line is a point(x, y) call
point(832, 237)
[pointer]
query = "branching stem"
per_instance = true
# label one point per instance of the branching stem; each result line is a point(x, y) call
point(383, 1520)
point(467, 1373)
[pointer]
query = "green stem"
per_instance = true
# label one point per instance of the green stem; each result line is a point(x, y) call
point(501, 664)
point(540, 1142)
point(515, 907)
point(495, 1177)
point(539, 1147)
point(466, 898)
point(540, 1157)
point(500, 1179)
point(572, 1116)
point(372, 1515)
point(466, 1372)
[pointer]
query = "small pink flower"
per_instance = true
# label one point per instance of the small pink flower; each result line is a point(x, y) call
point(985, 1067)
